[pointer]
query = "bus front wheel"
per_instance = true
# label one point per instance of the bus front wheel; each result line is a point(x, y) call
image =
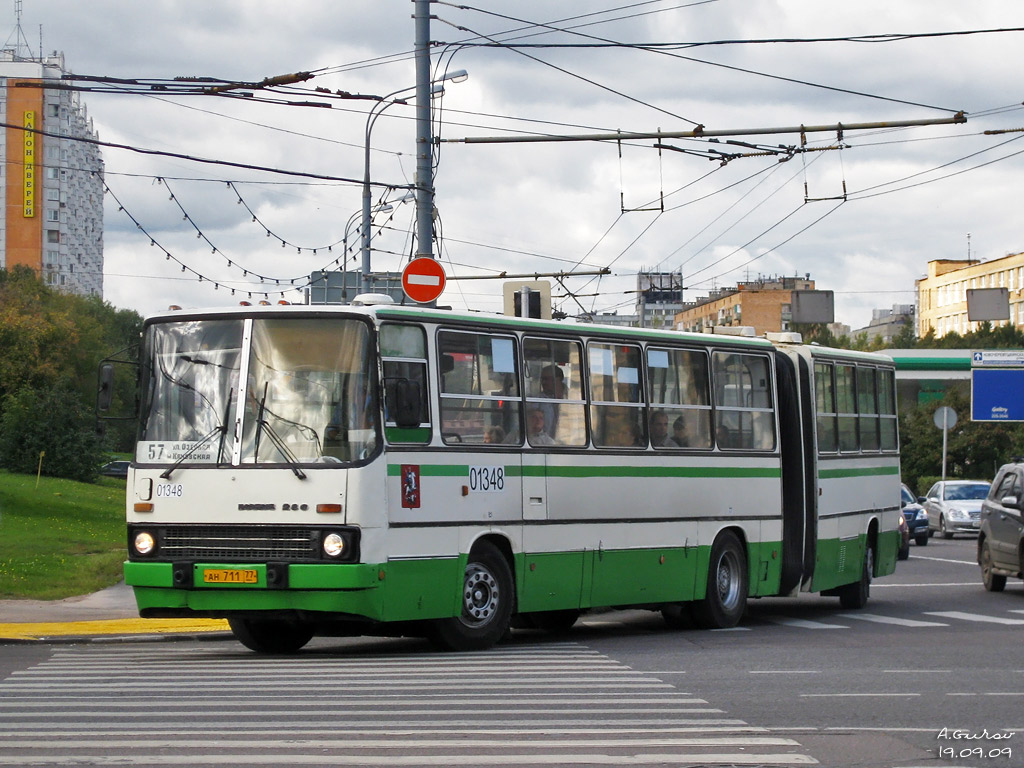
point(487, 601)
point(726, 597)
point(271, 635)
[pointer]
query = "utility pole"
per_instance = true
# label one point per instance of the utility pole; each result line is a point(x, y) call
point(424, 141)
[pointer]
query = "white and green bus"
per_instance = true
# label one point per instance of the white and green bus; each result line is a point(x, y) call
point(378, 469)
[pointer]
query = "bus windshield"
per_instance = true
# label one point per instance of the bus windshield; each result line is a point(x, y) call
point(257, 391)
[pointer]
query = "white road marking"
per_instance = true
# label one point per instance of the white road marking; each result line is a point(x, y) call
point(891, 620)
point(974, 617)
point(805, 624)
point(856, 695)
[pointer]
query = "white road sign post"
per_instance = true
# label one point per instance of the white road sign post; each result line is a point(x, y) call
point(945, 419)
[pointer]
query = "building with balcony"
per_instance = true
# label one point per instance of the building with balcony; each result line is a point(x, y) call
point(52, 191)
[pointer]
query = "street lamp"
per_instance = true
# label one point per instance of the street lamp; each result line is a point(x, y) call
point(387, 207)
point(376, 110)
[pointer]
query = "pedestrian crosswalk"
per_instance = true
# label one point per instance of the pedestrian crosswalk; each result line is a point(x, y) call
point(214, 704)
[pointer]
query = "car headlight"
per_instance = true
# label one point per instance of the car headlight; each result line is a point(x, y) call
point(334, 545)
point(144, 543)
point(958, 513)
point(922, 514)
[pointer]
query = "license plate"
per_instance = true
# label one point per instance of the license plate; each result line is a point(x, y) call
point(230, 576)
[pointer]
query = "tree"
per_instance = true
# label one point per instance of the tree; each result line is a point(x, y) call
point(54, 341)
point(53, 421)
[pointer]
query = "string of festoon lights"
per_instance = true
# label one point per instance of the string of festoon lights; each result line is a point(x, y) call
point(270, 233)
point(231, 263)
point(296, 283)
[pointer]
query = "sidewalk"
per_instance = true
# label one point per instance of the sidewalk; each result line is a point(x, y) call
point(108, 613)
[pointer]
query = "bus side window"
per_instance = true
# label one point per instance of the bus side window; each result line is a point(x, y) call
point(553, 379)
point(617, 413)
point(846, 408)
point(744, 415)
point(403, 349)
point(480, 401)
point(867, 408)
point(825, 405)
point(678, 391)
point(887, 409)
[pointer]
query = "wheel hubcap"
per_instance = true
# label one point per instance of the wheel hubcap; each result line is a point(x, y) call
point(728, 583)
point(480, 596)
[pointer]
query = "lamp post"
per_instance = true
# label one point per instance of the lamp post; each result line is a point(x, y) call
point(344, 246)
point(375, 111)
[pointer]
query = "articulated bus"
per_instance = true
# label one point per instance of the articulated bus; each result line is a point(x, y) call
point(385, 470)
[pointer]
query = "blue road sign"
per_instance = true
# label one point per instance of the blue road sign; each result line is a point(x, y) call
point(997, 394)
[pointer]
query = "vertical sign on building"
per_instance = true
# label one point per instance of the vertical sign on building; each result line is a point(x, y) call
point(30, 165)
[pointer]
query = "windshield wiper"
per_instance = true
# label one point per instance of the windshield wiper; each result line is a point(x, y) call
point(261, 424)
point(166, 474)
point(222, 428)
point(289, 457)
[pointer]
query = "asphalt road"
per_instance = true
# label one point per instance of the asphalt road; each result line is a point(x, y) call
point(933, 661)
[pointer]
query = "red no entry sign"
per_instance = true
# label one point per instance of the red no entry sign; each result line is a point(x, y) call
point(423, 280)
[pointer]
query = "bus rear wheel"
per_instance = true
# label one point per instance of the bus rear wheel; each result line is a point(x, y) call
point(271, 635)
point(855, 596)
point(726, 598)
point(487, 601)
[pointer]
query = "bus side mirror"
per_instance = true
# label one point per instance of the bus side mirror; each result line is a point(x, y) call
point(105, 392)
point(405, 402)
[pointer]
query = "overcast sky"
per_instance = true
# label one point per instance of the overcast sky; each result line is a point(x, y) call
point(912, 194)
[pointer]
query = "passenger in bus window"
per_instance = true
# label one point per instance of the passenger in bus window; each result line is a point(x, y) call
point(621, 428)
point(679, 432)
point(724, 437)
point(552, 386)
point(536, 433)
point(536, 428)
point(494, 435)
point(659, 431)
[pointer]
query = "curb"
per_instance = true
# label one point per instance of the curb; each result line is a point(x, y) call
point(121, 630)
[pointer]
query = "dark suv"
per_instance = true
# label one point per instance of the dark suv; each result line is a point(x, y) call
point(1001, 540)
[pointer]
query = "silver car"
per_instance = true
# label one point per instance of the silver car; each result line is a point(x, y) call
point(954, 506)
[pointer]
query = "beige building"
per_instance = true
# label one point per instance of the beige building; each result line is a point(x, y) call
point(942, 295)
point(765, 304)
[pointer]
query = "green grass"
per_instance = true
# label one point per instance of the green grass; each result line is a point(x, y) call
point(61, 539)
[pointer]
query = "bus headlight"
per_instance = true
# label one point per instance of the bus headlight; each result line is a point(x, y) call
point(144, 543)
point(334, 545)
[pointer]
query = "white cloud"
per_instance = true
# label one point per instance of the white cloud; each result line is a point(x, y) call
point(557, 200)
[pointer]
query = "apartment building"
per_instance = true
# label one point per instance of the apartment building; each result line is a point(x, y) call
point(765, 304)
point(52, 191)
point(942, 295)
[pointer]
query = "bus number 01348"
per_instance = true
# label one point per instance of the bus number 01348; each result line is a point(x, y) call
point(486, 479)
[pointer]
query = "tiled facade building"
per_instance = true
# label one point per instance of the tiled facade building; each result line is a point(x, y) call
point(52, 190)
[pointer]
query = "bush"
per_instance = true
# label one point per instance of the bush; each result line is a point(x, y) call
point(51, 419)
